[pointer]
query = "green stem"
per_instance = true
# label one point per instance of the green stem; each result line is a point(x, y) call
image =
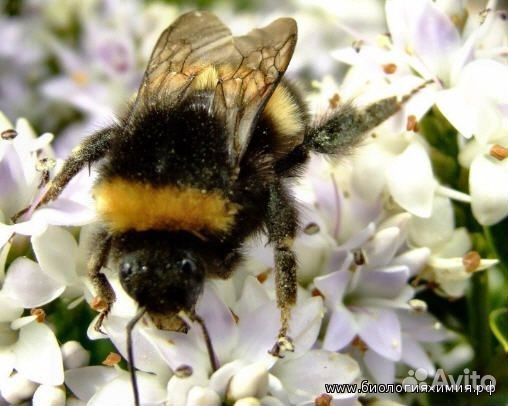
point(479, 320)
point(494, 249)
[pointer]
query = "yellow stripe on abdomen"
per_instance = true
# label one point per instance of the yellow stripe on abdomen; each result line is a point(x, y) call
point(131, 205)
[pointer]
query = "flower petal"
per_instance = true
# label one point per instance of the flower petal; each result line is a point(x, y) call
point(325, 366)
point(381, 368)
point(7, 362)
point(253, 295)
point(257, 334)
point(369, 168)
point(457, 245)
point(119, 391)
point(146, 355)
point(411, 182)
point(219, 322)
point(487, 180)
point(38, 355)
point(421, 326)
point(385, 283)
point(10, 308)
point(29, 286)
point(485, 77)
point(380, 329)
point(177, 349)
point(56, 251)
point(305, 322)
point(415, 356)
point(469, 115)
point(64, 212)
point(5, 233)
point(414, 259)
point(341, 329)
point(380, 250)
point(436, 229)
point(250, 381)
point(333, 286)
point(435, 39)
point(178, 388)
point(420, 28)
point(219, 380)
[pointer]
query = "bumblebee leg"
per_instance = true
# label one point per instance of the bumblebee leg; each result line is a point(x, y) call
point(345, 127)
point(282, 226)
point(90, 150)
point(105, 293)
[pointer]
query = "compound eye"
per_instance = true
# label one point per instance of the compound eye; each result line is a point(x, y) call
point(126, 269)
point(188, 265)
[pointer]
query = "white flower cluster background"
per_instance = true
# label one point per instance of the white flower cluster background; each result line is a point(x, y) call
point(403, 247)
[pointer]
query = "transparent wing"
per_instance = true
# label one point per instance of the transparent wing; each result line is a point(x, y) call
point(248, 68)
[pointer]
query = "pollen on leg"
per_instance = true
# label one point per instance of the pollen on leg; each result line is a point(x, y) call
point(98, 304)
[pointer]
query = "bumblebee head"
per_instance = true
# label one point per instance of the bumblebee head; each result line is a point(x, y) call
point(161, 277)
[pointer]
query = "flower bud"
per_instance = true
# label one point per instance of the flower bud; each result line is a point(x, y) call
point(16, 388)
point(74, 355)
point(47, 395)
point(250, 401)
point(250, 381)
point(202, 396)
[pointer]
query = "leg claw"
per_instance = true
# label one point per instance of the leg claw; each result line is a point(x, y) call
point(282, 345)
point(99, 304)
point(98, 324)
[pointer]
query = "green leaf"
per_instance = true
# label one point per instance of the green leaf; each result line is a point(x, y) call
point(498, 320)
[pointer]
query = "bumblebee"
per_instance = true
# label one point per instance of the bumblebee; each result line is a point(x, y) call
point(201, 161)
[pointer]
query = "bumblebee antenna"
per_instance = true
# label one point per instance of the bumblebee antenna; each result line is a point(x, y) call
point(208, 341)
point(130, 353)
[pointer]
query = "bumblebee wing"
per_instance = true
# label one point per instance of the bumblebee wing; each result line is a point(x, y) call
point(248, 69)
point(249, 77)
point(193, 41)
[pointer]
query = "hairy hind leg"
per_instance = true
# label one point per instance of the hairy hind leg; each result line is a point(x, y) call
point(282, 224)
point(345, 128)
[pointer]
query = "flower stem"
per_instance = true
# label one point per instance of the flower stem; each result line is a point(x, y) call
point(479, 309)
point(494, 247)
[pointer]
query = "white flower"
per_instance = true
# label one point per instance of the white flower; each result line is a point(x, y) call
point(366, 270)
point(468, 88)
point(100, 385)
point(241, 339)
point(20, 178)
point(28, 346)
point(60, 270)
point(487, 180)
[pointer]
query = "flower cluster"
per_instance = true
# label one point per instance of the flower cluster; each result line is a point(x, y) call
point(395, 240)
